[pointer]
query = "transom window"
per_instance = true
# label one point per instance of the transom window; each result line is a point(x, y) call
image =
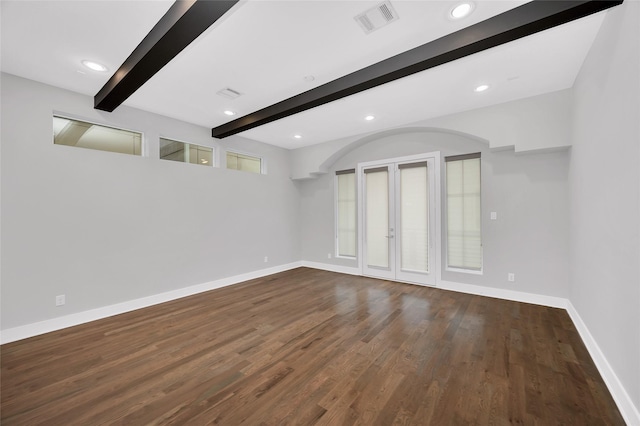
point(185, 152)
point(70, 132)
point(244, 162)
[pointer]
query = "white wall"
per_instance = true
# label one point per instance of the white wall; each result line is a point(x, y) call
point(605, 194)
point(105, 228)
point(535, 124)
point(528, 192)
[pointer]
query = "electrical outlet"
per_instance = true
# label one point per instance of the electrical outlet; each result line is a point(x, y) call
point(60, 300)
point(328, 255)
point(511, 277)
point(266, 259)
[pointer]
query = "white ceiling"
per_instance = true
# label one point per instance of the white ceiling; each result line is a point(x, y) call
point(264, 49)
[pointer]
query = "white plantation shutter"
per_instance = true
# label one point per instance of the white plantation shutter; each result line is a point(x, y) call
point(464, 236)
point(346, 215)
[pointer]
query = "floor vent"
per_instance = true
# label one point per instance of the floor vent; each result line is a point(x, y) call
point(376, 17)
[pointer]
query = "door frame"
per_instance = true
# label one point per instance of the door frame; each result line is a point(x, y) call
point(437, 246)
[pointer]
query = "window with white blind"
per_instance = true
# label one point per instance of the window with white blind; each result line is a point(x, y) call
point(464, 233)
point(346, 213)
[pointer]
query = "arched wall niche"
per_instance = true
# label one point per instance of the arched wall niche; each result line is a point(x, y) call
point(529, 193)
point(535, 125)
point(401, 142)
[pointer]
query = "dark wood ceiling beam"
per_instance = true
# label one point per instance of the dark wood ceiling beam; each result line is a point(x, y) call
point(514, 24)
point(183, 23)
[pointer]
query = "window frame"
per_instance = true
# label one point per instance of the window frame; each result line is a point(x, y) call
point(263, 163)
point(457, 269)
point(336, 251)
point(214, 152)
point(144, 146)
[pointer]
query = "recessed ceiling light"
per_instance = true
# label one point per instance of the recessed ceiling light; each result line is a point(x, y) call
point(297, 136)
point(369, 117)
point(481, 88)
point(461, 10)
point(309, 78)
point(94, 66)
point(229, 112)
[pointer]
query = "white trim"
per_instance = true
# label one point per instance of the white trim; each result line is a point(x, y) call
point(350, 270)
point(463, 271)
point(336, 243)
point(345, 257)
point(35, 329)
point(500, 293)
point(439, 219)
point(625, 404)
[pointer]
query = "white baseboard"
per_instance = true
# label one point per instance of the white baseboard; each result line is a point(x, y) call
point(500, 293)
point(35, 329)
point(332, 268)
point(625, 404)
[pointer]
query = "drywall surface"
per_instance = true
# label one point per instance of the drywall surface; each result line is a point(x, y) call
point(536, 124)
point(529, 193)
point(605, 194)
point(104, 228)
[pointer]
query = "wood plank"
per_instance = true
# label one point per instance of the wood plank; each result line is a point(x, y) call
point(311, 347)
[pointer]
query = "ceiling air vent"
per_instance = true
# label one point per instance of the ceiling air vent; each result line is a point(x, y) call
point(376, 17)
point(229, 93)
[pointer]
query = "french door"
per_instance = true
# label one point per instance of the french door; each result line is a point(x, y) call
point(399, 208)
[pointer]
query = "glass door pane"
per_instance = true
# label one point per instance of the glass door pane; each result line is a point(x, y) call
point(377, 217)
point(400, 218)
point(414, 218)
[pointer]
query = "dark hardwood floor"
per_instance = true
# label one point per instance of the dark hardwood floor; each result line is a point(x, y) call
point(308, 347)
